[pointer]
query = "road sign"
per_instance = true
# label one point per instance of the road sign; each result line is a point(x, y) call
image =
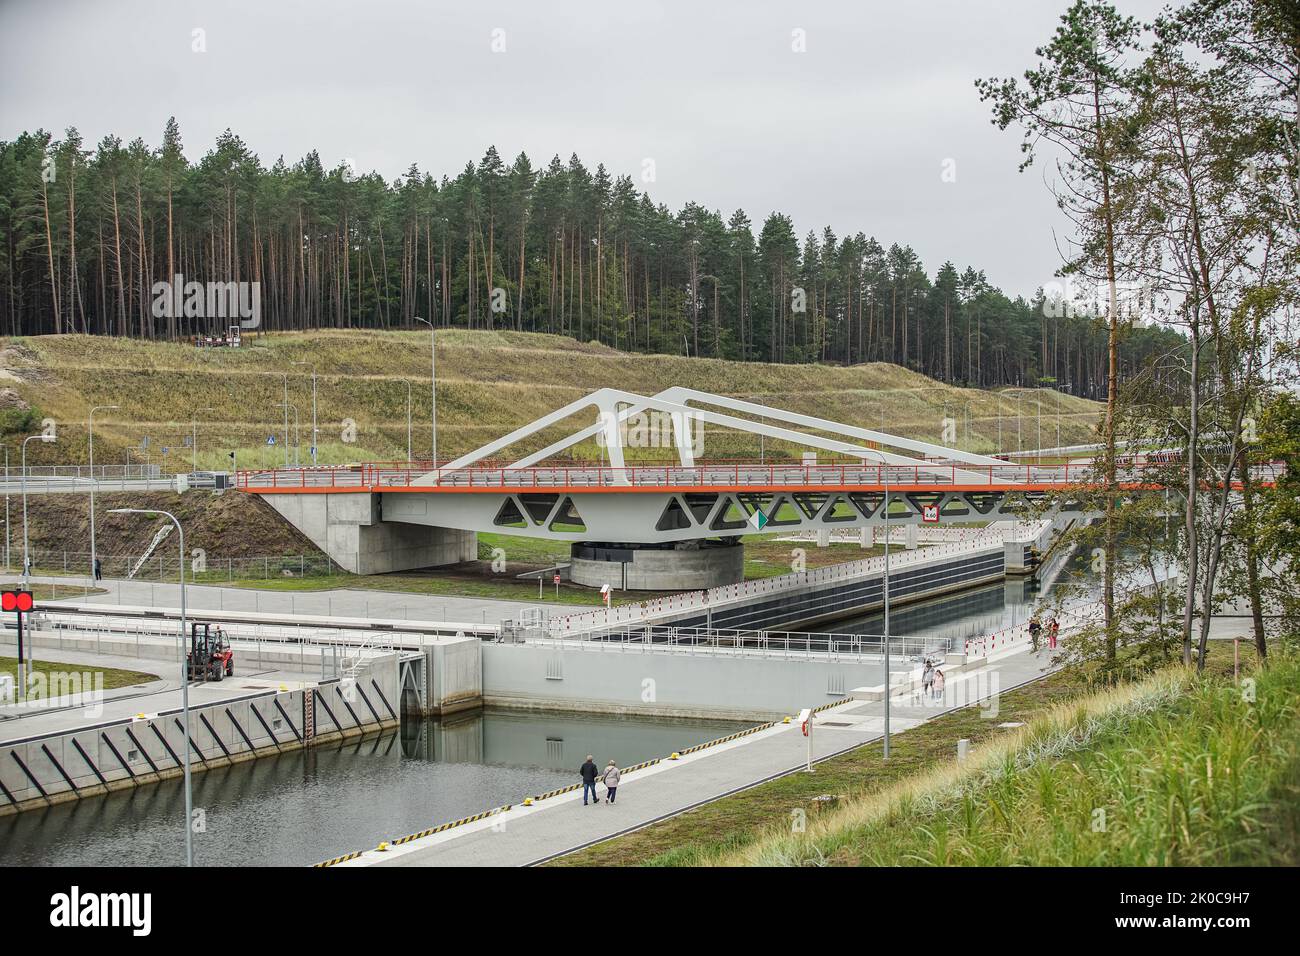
point(270, 439)
point(557, 579)
point(930, 514)
point(758, 519)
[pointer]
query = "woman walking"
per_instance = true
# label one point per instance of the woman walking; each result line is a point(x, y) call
point(611, 777)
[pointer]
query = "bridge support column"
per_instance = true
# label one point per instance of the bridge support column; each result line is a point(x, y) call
point(867, 538)
point(350, 529)
point(683, 566)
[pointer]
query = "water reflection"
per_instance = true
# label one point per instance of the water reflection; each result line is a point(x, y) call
point(299, 808)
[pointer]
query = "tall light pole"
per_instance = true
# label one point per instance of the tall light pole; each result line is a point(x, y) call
point(433, 391)
point(194, 436)
point(313, 410)
point(92, 485)
point(286, 419)
point(185, 676)
point(22, 683)
point(297, 435)
point(6, 507)
point(408, 420)
point(884, 477)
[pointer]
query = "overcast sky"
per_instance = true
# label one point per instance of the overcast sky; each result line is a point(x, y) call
point(853, 132)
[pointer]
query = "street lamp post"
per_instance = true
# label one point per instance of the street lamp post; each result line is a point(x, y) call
point(185, 677)
point(313, 411)
point(6, 507)
point(286, 419)
point(22, 683)
point(194, 437)
point(408, 420)
point(884, 477)
point(433, 392)
point(92, 484)
point(297, 436)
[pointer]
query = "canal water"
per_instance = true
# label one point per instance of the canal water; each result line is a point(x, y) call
point(980, 611)
point(300, 808)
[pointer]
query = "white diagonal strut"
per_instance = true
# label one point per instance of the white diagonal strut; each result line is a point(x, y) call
point(615, 406)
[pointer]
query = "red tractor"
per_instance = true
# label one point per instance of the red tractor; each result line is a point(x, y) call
point(210, 656)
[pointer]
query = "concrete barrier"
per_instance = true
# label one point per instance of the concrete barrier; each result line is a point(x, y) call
point(99, 758)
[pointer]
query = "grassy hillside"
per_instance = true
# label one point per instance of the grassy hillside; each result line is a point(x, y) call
point(488, 383)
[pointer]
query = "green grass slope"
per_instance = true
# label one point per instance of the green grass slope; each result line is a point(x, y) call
point(488, 384)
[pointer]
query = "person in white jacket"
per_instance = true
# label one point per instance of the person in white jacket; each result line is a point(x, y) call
point(611, 776)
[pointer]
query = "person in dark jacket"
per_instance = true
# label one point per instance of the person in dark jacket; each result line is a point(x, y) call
point(99, 569)
point(589, 774)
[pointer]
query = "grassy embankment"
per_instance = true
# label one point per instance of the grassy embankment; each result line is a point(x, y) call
point(489, 383)
point(85, 674)
point(1169, 770)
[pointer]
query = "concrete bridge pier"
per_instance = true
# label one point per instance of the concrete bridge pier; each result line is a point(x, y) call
point(350, 528)
point(673, 566)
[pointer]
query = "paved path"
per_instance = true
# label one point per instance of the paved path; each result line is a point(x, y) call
point(527, 835)
point(341, 602)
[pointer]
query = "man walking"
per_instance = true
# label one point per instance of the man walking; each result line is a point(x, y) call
point(588, 771)
point(611, 777)
point(99, 569)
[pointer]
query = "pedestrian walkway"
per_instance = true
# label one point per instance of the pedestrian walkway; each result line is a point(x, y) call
point(339, 602)
point(526, 835)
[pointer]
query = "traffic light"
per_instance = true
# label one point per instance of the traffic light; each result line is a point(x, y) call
point(20, 601)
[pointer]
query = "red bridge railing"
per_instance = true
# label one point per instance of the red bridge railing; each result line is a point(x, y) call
point(418, 476)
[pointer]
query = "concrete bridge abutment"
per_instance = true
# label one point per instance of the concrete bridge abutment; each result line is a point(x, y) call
point(350, 529)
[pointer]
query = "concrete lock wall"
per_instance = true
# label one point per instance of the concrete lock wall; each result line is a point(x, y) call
point(546, 676)
point(112, 755)
point(351, 530)
point(657, 569)
point(455, 669)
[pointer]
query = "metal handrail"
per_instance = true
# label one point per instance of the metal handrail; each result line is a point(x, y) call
point(977, 540)
point(822, 646)
point(731, 476)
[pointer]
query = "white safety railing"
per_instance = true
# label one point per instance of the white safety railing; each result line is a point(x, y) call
point(821, 646)
point(978, 539)
point(162, 533)
point(1072, 617)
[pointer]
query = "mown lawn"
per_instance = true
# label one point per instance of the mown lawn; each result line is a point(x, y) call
point(113, 677)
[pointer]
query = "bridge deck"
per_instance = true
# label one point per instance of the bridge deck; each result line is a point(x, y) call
point(1138, 472)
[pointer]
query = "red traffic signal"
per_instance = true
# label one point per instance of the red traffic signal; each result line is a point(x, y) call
point(15, 601)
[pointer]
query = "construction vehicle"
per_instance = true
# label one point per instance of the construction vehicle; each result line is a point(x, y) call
point(210, 656)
